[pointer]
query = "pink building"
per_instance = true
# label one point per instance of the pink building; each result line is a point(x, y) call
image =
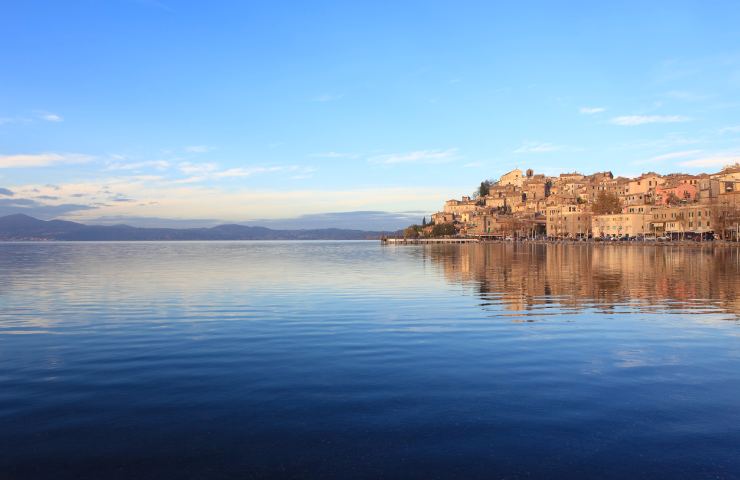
point(684, 191)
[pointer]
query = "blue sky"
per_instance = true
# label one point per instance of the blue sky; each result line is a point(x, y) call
point(237, 111)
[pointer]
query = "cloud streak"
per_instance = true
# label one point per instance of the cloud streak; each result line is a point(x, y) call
point(51, 117)
point(333, 155)
point(42, 160)
point(198, 149)
point(155, 164)
point(538, 147)
point(591, 110)
point(668, 156)
point(634, 120)
point(712, 161)
point(200, 172)
point(418, 156)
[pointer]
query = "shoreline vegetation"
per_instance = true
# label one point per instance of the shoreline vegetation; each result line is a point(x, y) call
point(674, 209)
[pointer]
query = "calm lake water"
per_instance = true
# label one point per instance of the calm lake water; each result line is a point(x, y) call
point(354, 360)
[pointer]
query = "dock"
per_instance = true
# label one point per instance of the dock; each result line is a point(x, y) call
point(426, 241)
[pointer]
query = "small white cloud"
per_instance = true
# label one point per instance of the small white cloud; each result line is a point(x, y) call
point(732, 129)
point(51, 117)
point(712, 161)
point(686, 96)
point(189, 168)
point(418, 156)
point(42, 159)
point(198, 172)
point(155, 164)
point(632, 120)
point(245, 172)
point(668, 156)
point(334, 155)
point(538, 147)
point(198, 149)
point(12, 120)
point(591, 110)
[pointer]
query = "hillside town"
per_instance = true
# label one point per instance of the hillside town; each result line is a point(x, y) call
point(598, 206)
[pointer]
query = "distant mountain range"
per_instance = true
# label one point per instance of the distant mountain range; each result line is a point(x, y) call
point(23, 227)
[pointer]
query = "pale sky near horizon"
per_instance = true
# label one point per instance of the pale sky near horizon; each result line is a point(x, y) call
point(237, 111)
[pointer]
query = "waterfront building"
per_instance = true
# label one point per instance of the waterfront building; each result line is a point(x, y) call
point(568, 221)
point(619, 224)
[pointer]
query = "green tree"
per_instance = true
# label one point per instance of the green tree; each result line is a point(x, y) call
point(411, 231)
point(443, 230)
point(607, 203)
point(424, 222)
point(485, 188)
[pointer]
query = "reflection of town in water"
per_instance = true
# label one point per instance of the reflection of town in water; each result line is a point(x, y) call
point(524, 276)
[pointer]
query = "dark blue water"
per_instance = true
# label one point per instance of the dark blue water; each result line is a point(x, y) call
point(353, 360)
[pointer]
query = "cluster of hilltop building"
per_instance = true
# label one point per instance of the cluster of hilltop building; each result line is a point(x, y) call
point(573, 205)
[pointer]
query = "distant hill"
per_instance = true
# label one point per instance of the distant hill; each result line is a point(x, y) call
point(23, 227)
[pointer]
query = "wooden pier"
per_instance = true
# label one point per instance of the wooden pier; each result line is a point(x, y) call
point(426, 241)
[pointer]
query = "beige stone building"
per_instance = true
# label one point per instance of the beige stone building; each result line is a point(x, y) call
point(513, 177)
point(620, 224)
point(644, 183)
point(568, 221)
point(458, 207)
point(695, 218)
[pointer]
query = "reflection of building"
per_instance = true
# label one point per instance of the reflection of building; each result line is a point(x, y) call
point(522, 276)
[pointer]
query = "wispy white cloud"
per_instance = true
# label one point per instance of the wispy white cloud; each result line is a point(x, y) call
point(418, 156)
point(173, 200)
point(674, 155)
point(712, 161)
point(50, 117)
point(731, 129)
point(633, 120)
point(686, 96)
point(668, 156)
point(246, 172)
point(155, 164)
point(198, 149)
point(199, 172)
point(42, 159)
point(538, 147)
point(190, 168)
point(12, 120)
point(591, 110)
point(334, 155)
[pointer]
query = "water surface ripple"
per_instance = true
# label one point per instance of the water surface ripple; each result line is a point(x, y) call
point(353, 360)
